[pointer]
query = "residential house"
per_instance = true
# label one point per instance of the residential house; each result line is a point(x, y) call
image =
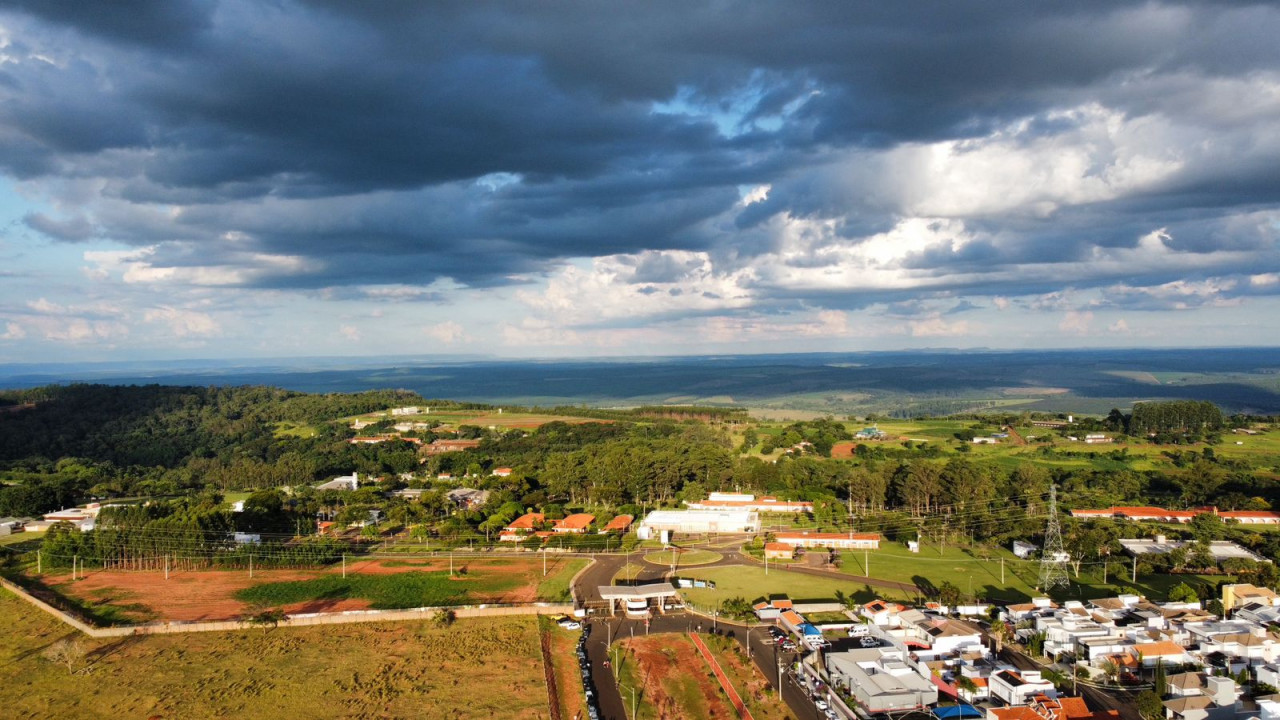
point(1220, 701)
point(1152, 654)
point(1187, 684)
point(1241, 594)
point(882, 613)
point(772, 609)
point(576, 523)
point(467, 498)
point(619, 524)
point(1017, 687)
point(779, 551)
point(522, 527)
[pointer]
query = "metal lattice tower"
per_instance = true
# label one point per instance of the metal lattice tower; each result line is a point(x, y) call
point(1053, 558)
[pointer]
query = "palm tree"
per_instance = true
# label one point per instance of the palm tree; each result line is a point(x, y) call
point(1110, 668)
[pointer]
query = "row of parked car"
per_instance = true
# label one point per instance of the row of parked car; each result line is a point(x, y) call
point(593, 703)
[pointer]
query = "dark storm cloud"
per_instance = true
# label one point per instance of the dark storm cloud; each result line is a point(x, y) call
point(72, 229)
point(399, 142)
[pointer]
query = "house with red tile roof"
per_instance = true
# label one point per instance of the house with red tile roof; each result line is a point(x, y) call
point(576, 523)
point(779, 551)
point(618, 524)
point(522, 527)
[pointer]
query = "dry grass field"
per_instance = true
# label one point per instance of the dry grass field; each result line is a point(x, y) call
point(338, 671)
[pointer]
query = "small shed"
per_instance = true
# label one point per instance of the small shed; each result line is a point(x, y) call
point(1024, 550)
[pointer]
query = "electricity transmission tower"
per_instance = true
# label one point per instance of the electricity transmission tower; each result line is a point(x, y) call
point(1053, 558)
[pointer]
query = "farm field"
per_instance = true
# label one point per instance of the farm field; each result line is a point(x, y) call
point(134, 596)
point(337, 671)
point(672, 681)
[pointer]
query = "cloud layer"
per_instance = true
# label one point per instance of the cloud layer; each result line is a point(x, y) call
point(568, 174)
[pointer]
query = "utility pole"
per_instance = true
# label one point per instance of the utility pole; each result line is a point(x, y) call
point(73, 566)
point(250, 565)
point(344, 566)
point(39, 560)
point(166, 567)
point(1002, 571)
point(1134, 579)
point(866, 561)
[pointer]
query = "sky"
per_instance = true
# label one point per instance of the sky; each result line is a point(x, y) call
point(227, 179)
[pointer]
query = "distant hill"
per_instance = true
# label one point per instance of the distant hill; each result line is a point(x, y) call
point(1239, 380)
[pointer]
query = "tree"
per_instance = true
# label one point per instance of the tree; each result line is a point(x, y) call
point(1110, 668)
point(69, 651)
point(1207, 527)
point(1160, 683)
point(1150, 705)
point(444, 618)
point(949, 594)
point(1182, 592)
point(267, 619)
point(736, 608)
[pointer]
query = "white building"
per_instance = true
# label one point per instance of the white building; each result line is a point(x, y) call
point(880, 679)
point(1023, 550)
point(1013, 687)
point(698, 521)
point(841, 541)
point(346, 482)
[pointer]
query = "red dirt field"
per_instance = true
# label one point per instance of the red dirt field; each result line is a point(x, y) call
point(676, 680)
point(210, 594)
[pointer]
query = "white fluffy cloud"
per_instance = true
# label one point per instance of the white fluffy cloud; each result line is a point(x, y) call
point(183, 323)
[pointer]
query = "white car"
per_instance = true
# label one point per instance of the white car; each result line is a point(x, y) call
point(820, 703)
point(568, 624)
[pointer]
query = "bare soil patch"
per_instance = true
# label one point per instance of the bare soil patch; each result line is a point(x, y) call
point(210, 594)
point(675, 678)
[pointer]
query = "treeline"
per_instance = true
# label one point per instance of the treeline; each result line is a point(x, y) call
point(1174, 416)
point(195, 532)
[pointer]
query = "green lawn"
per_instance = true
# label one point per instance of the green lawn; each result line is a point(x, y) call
point(555, 586)
point(977, 576)
point(22, 538)
point(682, 559)
point(752, 584)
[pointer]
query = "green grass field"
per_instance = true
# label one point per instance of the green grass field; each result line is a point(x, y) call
point(682, 559)
point(332, 671)
point(979, 576)
point(401, 590)
point(555, 586)
point(411, 589)
point(752, 584)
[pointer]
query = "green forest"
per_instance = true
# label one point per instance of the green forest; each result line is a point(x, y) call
point(183, 450)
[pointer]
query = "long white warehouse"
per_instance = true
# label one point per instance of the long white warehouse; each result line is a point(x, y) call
point(699, 521)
